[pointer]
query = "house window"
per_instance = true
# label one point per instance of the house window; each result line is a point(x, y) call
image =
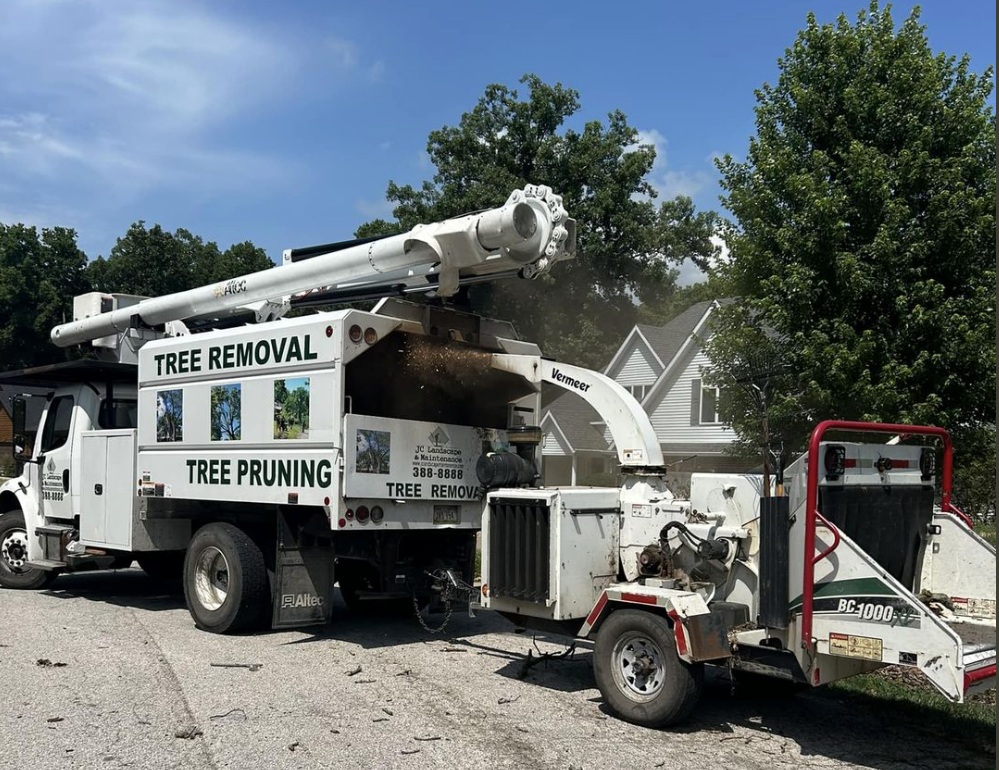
point(638, 391)
point(709, 406)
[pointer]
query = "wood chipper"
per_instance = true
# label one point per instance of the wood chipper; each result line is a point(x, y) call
point(854, 568)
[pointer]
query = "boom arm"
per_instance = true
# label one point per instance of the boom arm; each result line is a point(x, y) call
point(634, 437)
point(529, 233)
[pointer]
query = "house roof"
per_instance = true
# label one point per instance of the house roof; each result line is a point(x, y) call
point(667, 340)
point(574, 416)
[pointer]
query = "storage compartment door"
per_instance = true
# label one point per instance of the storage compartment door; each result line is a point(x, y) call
point(94, 492)
point(120, 491)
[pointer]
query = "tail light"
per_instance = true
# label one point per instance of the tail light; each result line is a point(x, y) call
point(370, 336)
point(348, 514)
point(355, 333)
point(362, 513)
point(835, 462)
point(927, 464)
point(377, 514)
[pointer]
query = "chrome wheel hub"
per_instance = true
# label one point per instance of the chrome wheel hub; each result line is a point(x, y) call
point(14, 550)
point(638, 667)
point(211, 578)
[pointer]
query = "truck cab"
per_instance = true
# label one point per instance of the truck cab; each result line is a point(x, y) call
point(81, 396)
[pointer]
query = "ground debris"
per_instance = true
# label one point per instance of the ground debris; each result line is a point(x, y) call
point(380, 719)
point(249, 666)
point(365, 681)
point(355, 672)
point(426, 738)
point(55, 719)
point(293, 746)
point(514, 699)
point(453, 649)
point(388, 711)
point(407, 672)
point(410, 751)
point(46, 663)
point(189, 732)
point(543, 657)
point(229, 713)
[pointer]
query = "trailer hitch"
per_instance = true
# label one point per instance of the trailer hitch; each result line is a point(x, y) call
point(451, 588)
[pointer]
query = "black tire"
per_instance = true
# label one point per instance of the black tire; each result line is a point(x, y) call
point(161, 565)
point(679, 687)
point(247, 597)
point(13, 541)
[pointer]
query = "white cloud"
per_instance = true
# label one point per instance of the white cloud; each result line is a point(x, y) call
point(670, 182)
point(689, 183)
point(101, 102)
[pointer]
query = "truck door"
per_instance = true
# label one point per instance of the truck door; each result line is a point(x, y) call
point(55, 450)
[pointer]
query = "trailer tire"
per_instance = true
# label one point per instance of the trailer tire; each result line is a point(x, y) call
point(668, 688)
point(13, 552)
point(225, 580)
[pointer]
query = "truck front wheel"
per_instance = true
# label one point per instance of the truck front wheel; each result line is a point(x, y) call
point(639, 673)
point(225, 580)
point(14, 572)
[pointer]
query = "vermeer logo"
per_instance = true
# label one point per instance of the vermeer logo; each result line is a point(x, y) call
point(572, 382)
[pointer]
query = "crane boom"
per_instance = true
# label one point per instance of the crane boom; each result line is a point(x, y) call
point(529, 233)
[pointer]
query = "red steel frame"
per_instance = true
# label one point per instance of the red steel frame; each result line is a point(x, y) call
point(812, 497)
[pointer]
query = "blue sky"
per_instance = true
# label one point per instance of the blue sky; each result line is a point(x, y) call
point(282, 122)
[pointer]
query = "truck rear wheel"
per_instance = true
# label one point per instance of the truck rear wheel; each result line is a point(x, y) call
point(639, 673)
point(14, 555)
point(225, 580)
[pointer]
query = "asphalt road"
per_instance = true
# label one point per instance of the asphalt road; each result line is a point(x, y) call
point(128, 673)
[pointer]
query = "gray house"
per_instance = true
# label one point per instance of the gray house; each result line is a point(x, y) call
point(662, 367)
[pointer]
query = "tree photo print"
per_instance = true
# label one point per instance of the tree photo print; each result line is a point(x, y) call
point(373, 451)
point(170, 415)
point(291, 408)
point(226, 412)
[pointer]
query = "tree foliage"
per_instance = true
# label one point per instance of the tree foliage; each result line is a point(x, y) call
point(865, 231)
point(153, 261)
point(39, 276)
point(627, 245)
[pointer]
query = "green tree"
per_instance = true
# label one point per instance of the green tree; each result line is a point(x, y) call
point(153, 261)
point(39, 276)
point(865, 230)
point(627, 246)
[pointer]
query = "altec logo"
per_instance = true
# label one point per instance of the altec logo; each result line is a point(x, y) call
point(300, 600)
point(570, 381)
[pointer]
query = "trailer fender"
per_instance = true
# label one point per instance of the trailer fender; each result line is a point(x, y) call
point(687, 612)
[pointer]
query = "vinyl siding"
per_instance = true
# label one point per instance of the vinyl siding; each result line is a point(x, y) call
point(638, 366)
point(670, 414)
point(553, 444)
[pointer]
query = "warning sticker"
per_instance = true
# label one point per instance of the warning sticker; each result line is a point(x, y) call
point(851, 646)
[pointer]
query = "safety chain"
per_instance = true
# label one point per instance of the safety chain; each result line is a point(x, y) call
point(422, 622)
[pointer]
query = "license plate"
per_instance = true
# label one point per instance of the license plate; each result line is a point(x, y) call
point(447, 514)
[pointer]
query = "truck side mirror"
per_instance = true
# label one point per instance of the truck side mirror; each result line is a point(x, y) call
point(19, 419)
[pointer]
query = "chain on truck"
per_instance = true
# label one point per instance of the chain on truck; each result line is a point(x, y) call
point(264, 458)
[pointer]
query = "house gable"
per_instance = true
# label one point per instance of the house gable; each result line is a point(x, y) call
point(635, 362)
point(555, 442)
point(670, 405)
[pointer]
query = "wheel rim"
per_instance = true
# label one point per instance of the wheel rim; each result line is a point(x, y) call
point(638, 664)
point(14, 550)
point(211, 578)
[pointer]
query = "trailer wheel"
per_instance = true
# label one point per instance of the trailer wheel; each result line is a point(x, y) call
point(225, 580)
point(639, 673)
point(14, 555)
